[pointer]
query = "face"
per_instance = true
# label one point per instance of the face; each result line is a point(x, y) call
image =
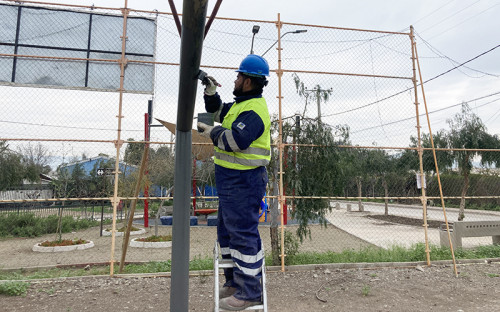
point(238, 84)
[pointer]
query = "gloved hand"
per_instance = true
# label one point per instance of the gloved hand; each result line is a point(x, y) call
point(204, 129)
point(210, 85)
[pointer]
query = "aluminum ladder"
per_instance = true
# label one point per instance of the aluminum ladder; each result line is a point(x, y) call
point(220, 263)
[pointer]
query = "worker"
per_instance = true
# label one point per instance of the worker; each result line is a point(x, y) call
point(242, 150)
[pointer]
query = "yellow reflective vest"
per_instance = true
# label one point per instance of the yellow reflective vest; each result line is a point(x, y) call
point(259, 152)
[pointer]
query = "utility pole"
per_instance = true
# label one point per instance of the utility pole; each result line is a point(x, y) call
point(319, 94)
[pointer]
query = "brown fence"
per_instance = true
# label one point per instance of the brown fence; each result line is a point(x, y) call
point(350, 135)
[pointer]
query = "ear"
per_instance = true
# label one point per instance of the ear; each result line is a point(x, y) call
point(247, 84)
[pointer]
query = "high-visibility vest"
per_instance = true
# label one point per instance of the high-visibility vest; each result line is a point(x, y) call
point(259, 152)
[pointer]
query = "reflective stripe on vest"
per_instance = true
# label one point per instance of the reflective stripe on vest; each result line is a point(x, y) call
point(259, 152)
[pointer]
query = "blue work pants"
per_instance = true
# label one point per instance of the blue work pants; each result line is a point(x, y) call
point(240, 193)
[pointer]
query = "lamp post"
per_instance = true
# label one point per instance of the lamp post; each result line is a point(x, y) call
point(255, 30)
point(288, 32)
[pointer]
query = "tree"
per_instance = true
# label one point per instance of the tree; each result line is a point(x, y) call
point(35, 158)
point(12, 171)
point(314, 172)
point(467, 131)
point(380, 166)
point(133, 153)
point(409, 160)
point(161, 166)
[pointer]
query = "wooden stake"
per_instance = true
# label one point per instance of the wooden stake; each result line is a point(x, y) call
point(437, 167)
point(281, 198)
point(133, 204)
point(119, 142)
point(420, 150)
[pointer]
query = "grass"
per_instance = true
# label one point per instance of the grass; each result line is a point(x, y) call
point(365, 291)
point(394, 254)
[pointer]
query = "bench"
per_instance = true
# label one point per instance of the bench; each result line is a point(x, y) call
point(461, 229)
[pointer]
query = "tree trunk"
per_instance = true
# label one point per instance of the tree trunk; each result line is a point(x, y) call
point(386, 190)
point(360, 205)
point(461, 214)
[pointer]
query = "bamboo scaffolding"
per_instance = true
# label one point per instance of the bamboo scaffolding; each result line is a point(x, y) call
point(420, 151)
point(281, 198)
point(15, 201)
point(119, 143)
point(276, 145)
point(126, 237)
point(437, 167)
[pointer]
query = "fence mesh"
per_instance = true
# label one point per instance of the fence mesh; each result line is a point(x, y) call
point(350, 156)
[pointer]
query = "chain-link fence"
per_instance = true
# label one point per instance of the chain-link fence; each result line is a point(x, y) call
point(346, 172)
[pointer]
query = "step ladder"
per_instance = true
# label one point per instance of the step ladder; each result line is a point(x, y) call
point(220, 263)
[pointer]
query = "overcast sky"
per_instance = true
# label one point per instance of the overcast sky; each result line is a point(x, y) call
point(458, 29)
point(448, 33)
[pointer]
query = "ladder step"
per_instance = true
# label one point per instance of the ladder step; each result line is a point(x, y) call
point(252, 308)
point(225, 263)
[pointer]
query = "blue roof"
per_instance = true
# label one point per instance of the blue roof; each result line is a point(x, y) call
point(98, 162)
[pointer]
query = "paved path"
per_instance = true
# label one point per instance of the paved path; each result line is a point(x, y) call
point(385, 234)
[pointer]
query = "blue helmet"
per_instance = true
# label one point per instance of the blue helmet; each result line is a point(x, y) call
point(254, 66)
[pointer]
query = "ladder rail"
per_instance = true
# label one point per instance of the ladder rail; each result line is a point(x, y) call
point(220, 263)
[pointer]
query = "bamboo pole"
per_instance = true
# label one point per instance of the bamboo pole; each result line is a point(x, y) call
point(281, 197)
point(420, 151)
point(437, 168)
point(119, 142)
point(126, 237)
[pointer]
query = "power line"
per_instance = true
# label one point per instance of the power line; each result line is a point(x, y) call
point(64, 127)
point(464, 21)
point(401, 92)
point(439, 53)
point(450, 16)
point(435, 111)
point(433, 11)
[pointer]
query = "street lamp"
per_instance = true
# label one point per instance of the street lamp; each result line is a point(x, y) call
point(255, 30)
point(288, 32)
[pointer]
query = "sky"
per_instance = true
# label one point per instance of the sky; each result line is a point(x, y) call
point(448, 33)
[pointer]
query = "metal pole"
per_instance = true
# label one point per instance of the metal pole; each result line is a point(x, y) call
point(146, 188)
point(193, 27)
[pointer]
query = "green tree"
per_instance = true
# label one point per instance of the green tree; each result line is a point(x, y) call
point(312, 171)
point(410, 160)
point(381, 167)
point(467, 131)
point(12, 171)
point(161, 166)
point(133, 153)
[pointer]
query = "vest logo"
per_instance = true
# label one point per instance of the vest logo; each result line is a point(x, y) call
point(241, 125)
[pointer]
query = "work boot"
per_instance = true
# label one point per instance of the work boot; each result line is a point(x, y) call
point(234, 304)
point(226, 291)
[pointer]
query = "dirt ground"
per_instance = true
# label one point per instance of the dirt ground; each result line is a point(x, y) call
point(435, 288)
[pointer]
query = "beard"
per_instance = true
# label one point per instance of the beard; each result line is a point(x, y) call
point(238, 91)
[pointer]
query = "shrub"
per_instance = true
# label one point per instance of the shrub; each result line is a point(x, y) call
point(14, 288)
point(28, 225)
point(291, 246)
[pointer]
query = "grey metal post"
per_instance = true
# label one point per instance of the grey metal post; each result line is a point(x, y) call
point(193, 27)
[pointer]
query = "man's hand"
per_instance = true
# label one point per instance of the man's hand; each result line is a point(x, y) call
point(204, 129)
point(210, 85)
